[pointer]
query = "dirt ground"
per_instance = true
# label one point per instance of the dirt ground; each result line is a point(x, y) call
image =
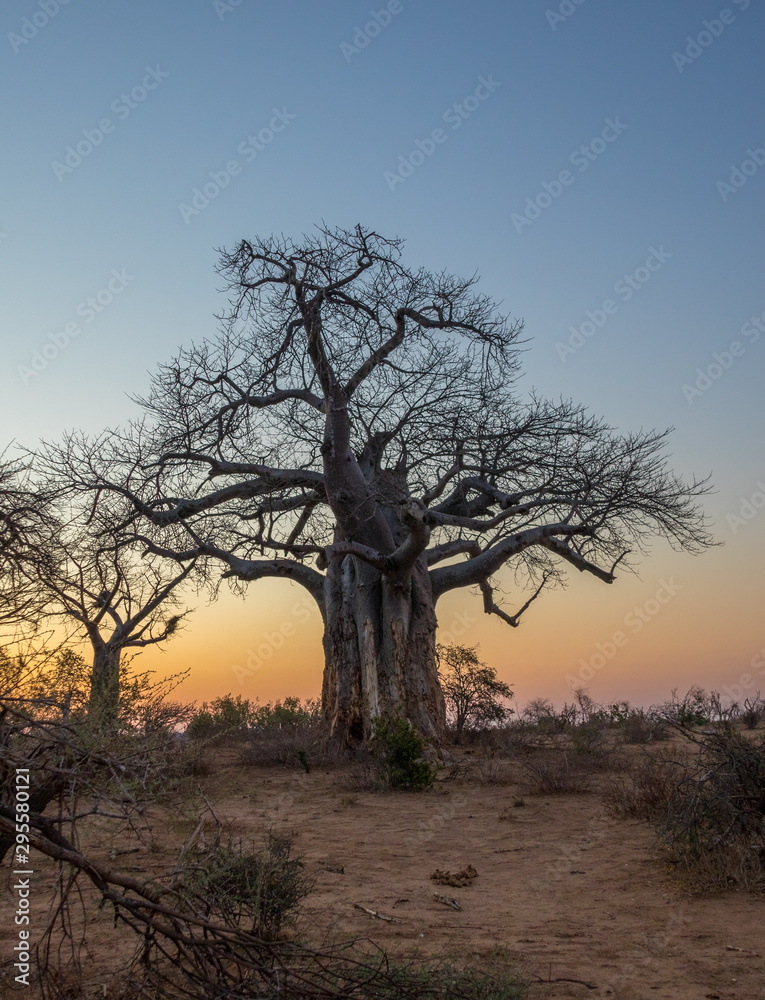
point(562, 890)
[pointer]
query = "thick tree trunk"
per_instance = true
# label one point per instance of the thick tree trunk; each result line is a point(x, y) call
point(379, 646)
point(103, 706)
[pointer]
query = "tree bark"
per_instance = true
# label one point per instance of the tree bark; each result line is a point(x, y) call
point(103, 706)
point(380, 650)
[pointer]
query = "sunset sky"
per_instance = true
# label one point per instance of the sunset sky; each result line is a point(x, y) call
point(600, 165)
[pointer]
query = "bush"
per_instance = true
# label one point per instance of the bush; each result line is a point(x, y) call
point(640, 726)
point(693, 709)
point(262, 889)
point(541, 713)
point(229, 714)
point(555, 772)
point(291, 712)
point(714, 825)
point(752, 712)
point(223, 715)
point(646, 790)
point(397, 751)
point(298, 747)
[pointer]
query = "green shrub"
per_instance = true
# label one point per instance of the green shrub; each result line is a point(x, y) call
point(398, 749)
point(693, 709)
point(231, 714)
point(290, 712)
point(258, 890)
point(223, 715)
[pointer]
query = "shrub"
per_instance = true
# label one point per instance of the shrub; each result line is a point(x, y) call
point(693, 709)
point(291, 712)
point(714, 825)
point(261, 888)
point(231, 714)
point(223, 715)
point(555, 772)
point(640, 726)
point(297, 747)
point(397, 749)
point(541, 713)
point(645, 791)
point(752, 712)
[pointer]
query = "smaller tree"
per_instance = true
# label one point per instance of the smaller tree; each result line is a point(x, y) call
point(117, 600)
point(472, 690)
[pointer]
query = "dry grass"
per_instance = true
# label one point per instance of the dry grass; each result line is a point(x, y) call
point(645, 790)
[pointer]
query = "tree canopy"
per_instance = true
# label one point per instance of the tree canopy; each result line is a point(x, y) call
point(356, 424)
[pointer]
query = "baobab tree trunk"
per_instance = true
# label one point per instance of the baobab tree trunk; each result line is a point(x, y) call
point(380, 650)
point(103, 706)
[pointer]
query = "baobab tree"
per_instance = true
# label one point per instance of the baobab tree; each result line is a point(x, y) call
point(104, 591)
point(354, 428)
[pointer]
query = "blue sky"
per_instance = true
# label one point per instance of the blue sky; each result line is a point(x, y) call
point(353, 102)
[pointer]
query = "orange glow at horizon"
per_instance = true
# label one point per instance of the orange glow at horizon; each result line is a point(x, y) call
point(676, 631)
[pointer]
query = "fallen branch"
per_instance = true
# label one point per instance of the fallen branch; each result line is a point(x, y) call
point(376, 913)
point(448, 901)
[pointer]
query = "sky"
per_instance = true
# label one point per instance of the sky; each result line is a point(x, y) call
point(601, 166)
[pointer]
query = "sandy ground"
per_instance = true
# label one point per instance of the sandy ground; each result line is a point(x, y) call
point(562, 889)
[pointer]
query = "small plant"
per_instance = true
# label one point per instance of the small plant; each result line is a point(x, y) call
point(223, 715)
point(645, 791)
point(492, 771)
point(693, 709)
point(291, 712)
point(541, 713)
point(260, 890)
point(555, 772)
point(640, 726)
point(398, 749)
point(752, 712)
point(589, 739)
